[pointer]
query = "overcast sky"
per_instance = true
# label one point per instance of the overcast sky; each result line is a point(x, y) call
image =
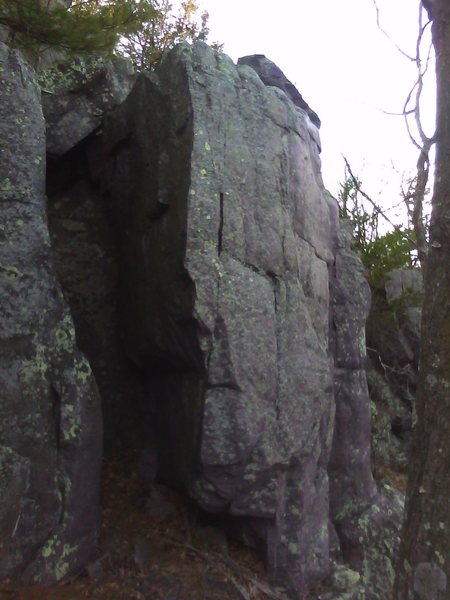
point(346, 70)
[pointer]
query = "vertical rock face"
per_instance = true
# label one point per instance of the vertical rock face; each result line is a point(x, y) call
point(197, 249)
point(393, 336)
point(393, 330)
point(76, 95)
point(351, 479)
point(50, 427)
point(227, 241)
point(86, 255)
point(271, 75)
point(367, 522)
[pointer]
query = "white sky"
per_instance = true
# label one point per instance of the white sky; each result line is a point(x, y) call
point(346, 70)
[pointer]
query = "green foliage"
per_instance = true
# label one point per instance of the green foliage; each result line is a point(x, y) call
point(392, 250)
point(380, 253)
point(146, 45)
point(141, 30)
point(365, 223)
point(86, 26)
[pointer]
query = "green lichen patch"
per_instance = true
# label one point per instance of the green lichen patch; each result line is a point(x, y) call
point(83, 371)
point(6, 185)
point(35, 368)
point(10, 272)
point(68, 75)
point(64, 336)
point(51, 547)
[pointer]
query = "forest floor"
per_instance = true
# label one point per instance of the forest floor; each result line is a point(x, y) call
point(152, 547)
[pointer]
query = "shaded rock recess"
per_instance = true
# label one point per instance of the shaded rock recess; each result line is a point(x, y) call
point(189, 255)
point(393, 341)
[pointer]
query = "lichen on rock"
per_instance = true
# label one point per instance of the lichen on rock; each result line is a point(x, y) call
point(50, 425)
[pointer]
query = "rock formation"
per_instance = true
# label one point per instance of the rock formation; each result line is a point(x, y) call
point(197, 249)
point(271, 75)
point(366, 520)
point(393, 335)
point(226, 242)
point(50, 420)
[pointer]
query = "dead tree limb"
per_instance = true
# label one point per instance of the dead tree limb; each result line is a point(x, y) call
point(377, 207)
point(414, 198)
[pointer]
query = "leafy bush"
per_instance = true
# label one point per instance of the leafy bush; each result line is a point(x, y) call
point(146, 45)
point(141, 30)
point(86, 26)
point(380, 253)
point(392, 250)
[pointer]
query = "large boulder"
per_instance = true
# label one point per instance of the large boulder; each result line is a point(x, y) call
point(271, 75)
point(76, 94)
point(226, 241)
point(50, 423)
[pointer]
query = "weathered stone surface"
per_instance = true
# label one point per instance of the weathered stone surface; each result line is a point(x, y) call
point(393, 336)
point(76, 95)
point(50, 427)
point(194, 239)
point(389, 441)
point(227, 238)
point(393, 330)
point(87, 262)
point(272, 75)
point(367, 522)
point(369, 541)
point(351, 481)
point(351, 299)
point(404, 293)
point(403, 283)
point(342, 578)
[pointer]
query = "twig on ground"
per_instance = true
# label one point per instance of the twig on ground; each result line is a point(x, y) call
point(212, 557)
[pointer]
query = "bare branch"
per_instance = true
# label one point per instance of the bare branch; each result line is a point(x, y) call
point(376, 206)
point(420, 75)
point(396, 114)
point(423, 169)
point(214, 558)
point(384, 32)
point(414, 196)
point(407, 112)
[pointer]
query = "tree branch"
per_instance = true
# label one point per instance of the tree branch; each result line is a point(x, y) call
point(416, 195)
point(377, 208)
point(384, 32)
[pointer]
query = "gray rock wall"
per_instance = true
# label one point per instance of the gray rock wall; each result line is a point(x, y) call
point(352, 484)
point(393, 330)
point(218, 303)
point(227, 239)
point(50, 422)
point(366, 520)
point(86, 257)
point(393, 335)
point(76, 94)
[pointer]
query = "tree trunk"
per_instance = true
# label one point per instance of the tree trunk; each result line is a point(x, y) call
point(423, 569)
